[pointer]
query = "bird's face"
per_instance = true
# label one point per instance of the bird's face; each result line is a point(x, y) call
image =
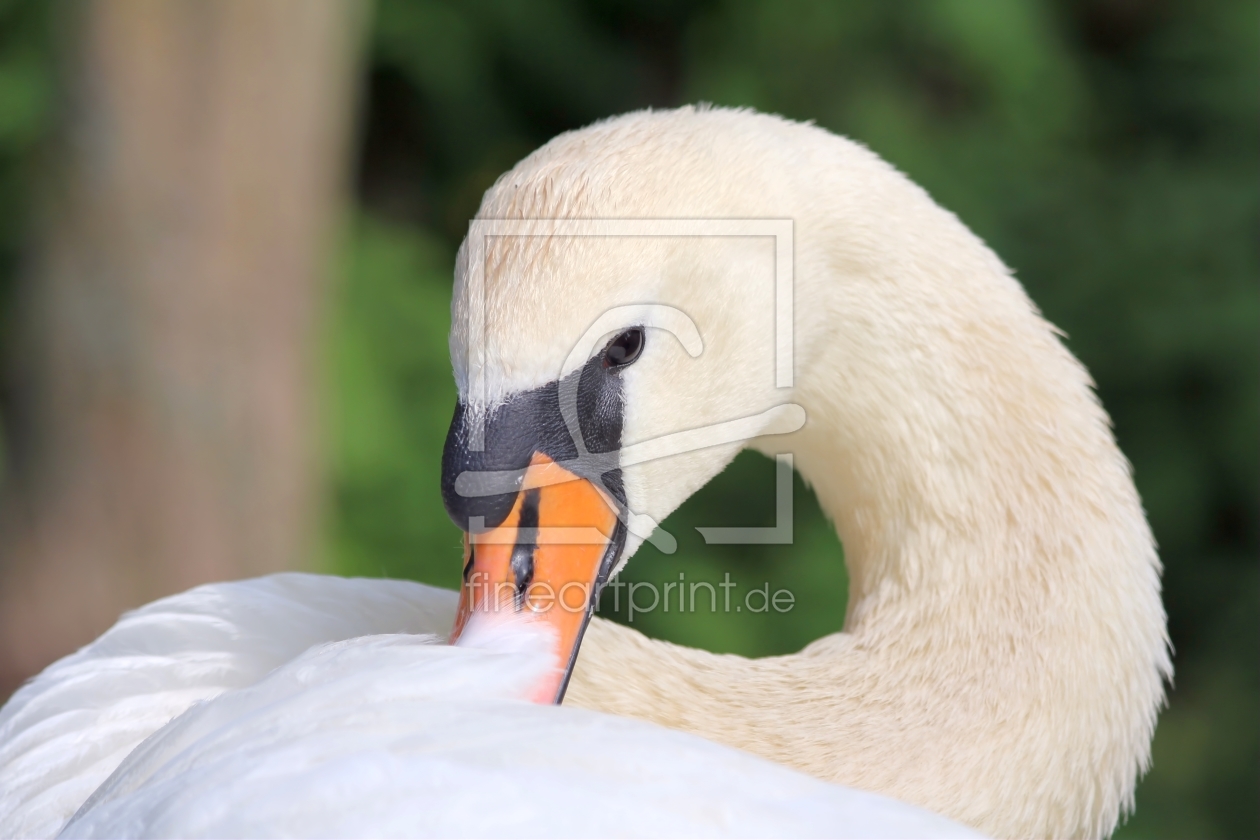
point(602, 381)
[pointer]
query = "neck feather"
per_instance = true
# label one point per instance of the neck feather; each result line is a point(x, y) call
point(1004, 650)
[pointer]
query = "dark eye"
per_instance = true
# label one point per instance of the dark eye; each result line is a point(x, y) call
point(624, 349)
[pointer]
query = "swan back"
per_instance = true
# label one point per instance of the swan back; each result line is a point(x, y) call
point(308, 706)
point(396, 736)
point(65, 731)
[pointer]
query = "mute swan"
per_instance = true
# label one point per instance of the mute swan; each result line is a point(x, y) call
point(1004, 650)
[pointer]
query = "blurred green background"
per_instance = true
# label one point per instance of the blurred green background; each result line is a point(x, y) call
point(1106, 149)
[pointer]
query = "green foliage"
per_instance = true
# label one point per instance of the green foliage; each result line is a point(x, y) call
point(26, 98)
point(811, 568)
point(389, 398)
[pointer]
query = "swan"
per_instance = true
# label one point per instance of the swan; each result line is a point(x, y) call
point(618, 335)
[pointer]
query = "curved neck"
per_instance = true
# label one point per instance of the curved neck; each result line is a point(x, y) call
point(952, 439)
point(1003, 652)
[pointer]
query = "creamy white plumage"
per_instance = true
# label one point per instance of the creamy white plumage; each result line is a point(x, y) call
point(393, 735)
point(1004, 648)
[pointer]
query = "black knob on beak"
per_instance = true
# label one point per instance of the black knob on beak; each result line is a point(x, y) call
point(531, 422)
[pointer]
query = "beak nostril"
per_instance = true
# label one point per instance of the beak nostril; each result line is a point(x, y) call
point(522, 562)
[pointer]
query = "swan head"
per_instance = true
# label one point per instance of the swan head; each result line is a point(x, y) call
point(610, 362)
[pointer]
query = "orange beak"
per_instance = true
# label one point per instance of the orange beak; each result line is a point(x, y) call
point(549, 557)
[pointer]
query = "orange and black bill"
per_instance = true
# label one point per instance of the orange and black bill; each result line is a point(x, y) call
point(549, 558)
point(539, 496)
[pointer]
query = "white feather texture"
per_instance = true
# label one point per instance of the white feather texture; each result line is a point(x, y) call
point(390, 736)
point(65, 731)
point(381, 735)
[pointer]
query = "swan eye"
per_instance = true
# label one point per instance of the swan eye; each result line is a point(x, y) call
point(624, 349)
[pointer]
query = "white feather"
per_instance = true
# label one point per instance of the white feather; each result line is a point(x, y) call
point(396, 736)
point(64, 732)
point(374, 735)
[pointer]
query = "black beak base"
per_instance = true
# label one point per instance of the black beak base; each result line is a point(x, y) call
point(530, 422)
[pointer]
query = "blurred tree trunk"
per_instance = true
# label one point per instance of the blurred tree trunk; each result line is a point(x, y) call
point(162, 402)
